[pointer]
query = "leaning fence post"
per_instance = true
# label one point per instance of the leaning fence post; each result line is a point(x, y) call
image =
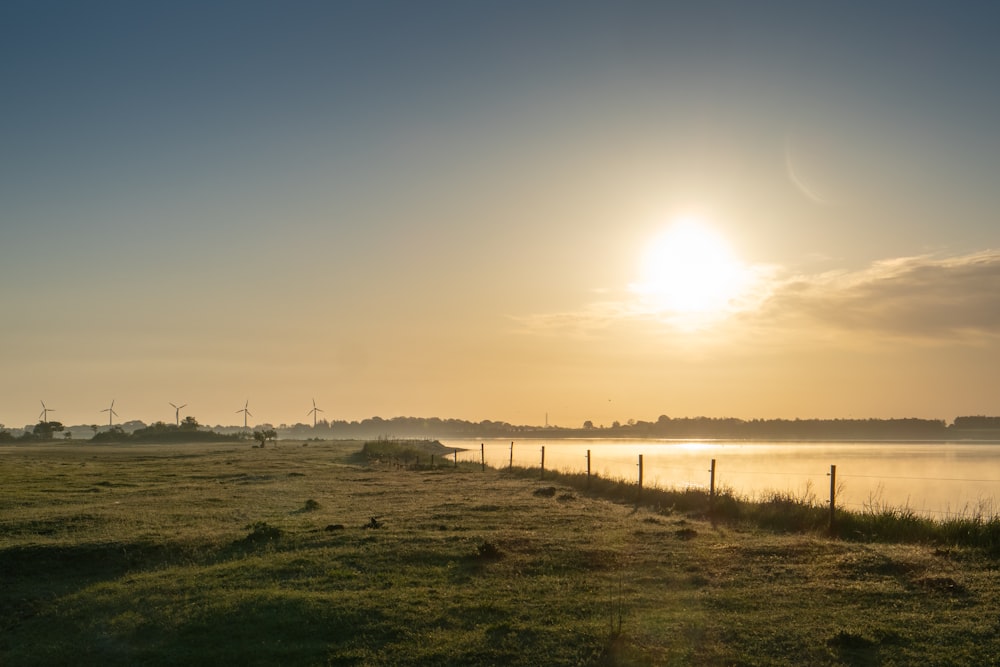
point(511, 455)
point(543, 463)
point(588, 468)
point(833, 493)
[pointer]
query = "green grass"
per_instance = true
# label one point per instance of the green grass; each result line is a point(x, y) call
point(228, 554)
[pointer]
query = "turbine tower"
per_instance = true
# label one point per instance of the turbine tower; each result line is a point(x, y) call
point(111, 413)
point(313, 412)
point(177, 412)
point(44, 414)
point(246, 413)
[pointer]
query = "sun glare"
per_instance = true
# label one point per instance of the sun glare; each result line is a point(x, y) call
point(689, 272)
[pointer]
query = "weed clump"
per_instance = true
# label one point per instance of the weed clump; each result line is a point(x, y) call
point(686, 533)
point(945, 585)
point(488, 551)
point(262, 532)
point(310, 506)
point(852, 641)
point(546, 492)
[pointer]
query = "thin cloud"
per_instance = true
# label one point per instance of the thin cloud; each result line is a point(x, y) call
point(632, 305)
point(590, 320)
point(922, 297)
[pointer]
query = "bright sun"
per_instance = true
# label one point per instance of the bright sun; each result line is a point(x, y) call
point(689, 272)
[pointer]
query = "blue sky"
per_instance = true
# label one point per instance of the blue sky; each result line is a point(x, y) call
point(438, 208)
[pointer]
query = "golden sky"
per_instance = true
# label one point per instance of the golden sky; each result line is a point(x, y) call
point(591, 211)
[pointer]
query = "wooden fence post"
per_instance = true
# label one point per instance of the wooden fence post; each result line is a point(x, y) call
point(711, 486)
point(588, 468)
point(432, 460)
point(640, 476)
point(456, 458)
point(543, 463)
point(833, 493)
point(511, 454)
point(482, 455)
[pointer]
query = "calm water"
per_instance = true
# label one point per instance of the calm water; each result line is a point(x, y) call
point(935, 479)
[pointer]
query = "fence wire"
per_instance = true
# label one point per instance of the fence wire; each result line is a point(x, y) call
point(655, 471)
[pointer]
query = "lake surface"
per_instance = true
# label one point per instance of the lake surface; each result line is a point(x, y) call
point(934, 479)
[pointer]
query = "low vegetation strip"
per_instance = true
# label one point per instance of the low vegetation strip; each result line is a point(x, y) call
point(314, 555)
point(413, 453)
point(785, 512)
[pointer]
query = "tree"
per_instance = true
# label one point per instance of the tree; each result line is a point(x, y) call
point(114, 434)
point(263, 435)
point(189, 423)
point(44, 430)
point(588, 424)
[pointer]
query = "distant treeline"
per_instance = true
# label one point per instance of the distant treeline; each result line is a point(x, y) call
point(160, 432)
point(186, 431)
point(664, 427)
point(963, 428)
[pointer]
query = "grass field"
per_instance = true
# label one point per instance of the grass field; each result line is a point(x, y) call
point(305, 554)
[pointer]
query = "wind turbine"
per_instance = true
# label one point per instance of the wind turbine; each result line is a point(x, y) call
point(44, 414)
point(246, 413)
point(313, 412)
point(111, 413)
point(177, 411)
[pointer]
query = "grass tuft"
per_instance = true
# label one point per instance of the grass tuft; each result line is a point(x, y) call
point(310, 505)
point(261, 533)
point(488, 551)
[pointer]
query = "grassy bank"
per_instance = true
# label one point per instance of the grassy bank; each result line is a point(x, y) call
point(788, 513)
point(311, 555)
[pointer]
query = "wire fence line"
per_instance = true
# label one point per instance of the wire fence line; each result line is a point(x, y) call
point(684, 474)
point(926, 479)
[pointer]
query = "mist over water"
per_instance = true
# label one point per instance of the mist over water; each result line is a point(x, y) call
point(940, 480)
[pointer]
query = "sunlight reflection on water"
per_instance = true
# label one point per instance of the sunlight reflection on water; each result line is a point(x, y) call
point(935, 479)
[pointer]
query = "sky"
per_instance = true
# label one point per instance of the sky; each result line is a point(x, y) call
point(513, 211)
